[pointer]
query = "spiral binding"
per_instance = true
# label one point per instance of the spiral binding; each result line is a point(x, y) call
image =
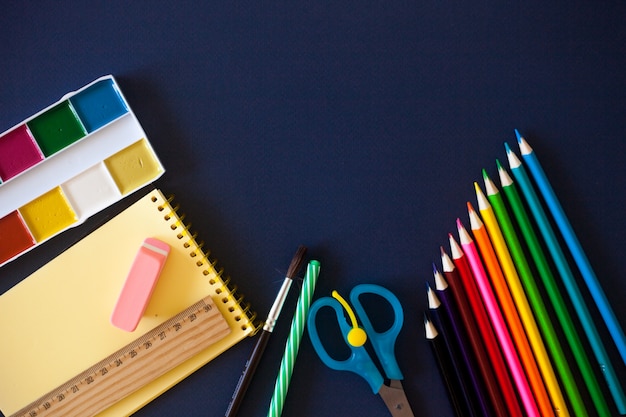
point(227, 292)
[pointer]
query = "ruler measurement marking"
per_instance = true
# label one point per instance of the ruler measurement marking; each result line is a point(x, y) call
point(153, 354)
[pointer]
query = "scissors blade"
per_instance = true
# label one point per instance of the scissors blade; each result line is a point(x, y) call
point(395, 399)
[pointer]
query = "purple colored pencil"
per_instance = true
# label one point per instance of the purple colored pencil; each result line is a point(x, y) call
point(439, 318)
point(462, 342)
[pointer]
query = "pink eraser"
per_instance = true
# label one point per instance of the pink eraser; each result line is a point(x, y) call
point(139, 284)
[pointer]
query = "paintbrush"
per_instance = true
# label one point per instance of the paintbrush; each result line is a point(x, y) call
point(268, 328)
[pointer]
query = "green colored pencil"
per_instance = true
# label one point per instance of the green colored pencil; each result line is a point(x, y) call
point(534, 297)
point(549, 282)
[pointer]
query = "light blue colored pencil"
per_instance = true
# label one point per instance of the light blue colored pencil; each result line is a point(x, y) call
point(552, 244)
point(573, 244)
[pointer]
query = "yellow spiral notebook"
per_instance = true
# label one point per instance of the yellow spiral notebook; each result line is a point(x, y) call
point(55, 323)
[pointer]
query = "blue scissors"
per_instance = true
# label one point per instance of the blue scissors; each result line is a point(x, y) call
point(355, 337)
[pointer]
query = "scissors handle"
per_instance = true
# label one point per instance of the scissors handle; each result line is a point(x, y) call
point(359, 361)
point(383, 342)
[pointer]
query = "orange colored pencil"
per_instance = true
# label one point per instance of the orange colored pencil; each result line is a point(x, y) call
point(510, 312)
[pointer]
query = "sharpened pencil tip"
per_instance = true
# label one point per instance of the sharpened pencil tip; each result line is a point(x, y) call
point(440, 282)
point(505, 178)
point(475, 222)
point(433, 300)
point(498, 164)
point(446, 262)
point(464, 236)
point(490, 187)
point(514, 161)
point(518, 135)
point(431, 331)
point(483, 203)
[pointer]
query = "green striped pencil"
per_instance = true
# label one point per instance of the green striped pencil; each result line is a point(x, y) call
point(535, 299)
point(549, 282)
point(293, 340)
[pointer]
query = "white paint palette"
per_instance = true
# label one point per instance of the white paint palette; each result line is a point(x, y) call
point(67, 162)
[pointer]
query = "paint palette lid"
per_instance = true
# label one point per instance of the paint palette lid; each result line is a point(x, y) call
point(69, 161)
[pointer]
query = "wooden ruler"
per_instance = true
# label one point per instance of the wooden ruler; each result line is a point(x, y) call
point(130, 368)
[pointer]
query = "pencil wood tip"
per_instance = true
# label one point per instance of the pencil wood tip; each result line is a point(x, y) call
point(483, 203)
point(505, 178)
point(296, 262)
point(514, 161)
point(518, 135)
point(490, 187)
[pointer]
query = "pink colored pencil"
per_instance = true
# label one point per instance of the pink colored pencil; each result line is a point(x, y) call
point(499, 325)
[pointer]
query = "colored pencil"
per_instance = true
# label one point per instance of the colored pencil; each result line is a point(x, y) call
point(479, 395)
point(539, 365)
point(573, 244)
point(567, 277)
point(549, 282)
point(446, 369)
point(548, 346)
point(497, 320)
point(481, 337)
point(503, 295)
point(460, 369)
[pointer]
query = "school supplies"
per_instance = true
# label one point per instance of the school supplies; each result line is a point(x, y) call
point(293, 340)
point(473, 403)
point(355, 336)
point(450, 312)
point(57, 319)
point(458, 272)
point(533, 353)
point(554, 295)
point(268, 328)
point(481, 337)
point(511, 293)
point(567, 231)
point(499, 324)
point(568, 280)
point(544, 323)
point(68, 162)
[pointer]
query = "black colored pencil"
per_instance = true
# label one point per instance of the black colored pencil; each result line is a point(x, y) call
point(446, 368)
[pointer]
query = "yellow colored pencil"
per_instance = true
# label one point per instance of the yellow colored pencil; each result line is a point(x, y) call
point(549, 381)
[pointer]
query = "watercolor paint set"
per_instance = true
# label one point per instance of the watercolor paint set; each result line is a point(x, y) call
point(67, 162)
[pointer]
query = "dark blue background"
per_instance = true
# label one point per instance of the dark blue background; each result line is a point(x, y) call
point(355, 128)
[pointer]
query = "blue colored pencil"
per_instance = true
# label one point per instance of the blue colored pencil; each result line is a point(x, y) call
point(552, 244)
point(573, 244)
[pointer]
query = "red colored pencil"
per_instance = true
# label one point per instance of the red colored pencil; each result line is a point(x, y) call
point(499, 325)
point(481, 335)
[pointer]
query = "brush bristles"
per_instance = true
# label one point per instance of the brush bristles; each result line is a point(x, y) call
point(296, 262)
